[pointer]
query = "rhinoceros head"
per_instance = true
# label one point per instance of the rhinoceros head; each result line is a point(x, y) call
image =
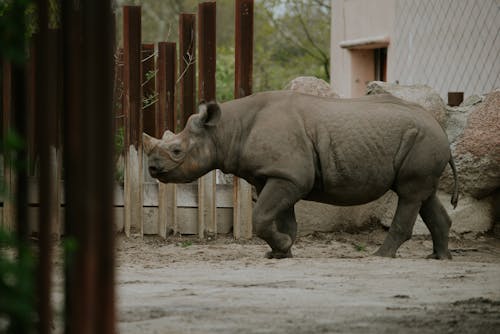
point(184, 157)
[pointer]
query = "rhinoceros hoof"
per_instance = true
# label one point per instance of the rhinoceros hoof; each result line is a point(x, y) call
point(278, 255)
point(384, 253)
point(440, 256)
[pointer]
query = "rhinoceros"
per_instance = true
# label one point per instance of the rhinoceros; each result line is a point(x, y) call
point(293, 146)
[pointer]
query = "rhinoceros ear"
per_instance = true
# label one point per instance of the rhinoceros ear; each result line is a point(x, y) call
point(148, 143)
point(209, 113)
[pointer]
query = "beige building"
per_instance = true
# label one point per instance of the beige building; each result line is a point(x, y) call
point(450, 45)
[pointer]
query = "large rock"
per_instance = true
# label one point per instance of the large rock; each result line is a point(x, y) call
point(470, 216)
point(318, 217)
point(311, 86)
point(477, 150)
point(476, 147)
point(420, 94)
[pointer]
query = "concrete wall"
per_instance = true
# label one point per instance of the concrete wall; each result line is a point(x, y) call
point(450, 45)
point(353, 20)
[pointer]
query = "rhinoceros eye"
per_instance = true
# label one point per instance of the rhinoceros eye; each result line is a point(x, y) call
point(176, 151)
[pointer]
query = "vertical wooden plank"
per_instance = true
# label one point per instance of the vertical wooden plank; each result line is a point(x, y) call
point(133, 196)
point(242, 212)
point(166, 78)
point(149, 110)
point(207, 214)
point(187, 69)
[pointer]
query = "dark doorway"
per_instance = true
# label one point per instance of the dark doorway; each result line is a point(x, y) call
point(380, 61)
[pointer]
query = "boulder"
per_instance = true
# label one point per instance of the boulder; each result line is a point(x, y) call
point(420, 94)
point(318, 217)
point(470, 216)
point(475, 145)
point(311, 86)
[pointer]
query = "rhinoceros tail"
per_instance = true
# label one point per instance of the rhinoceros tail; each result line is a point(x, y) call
point(454, 197)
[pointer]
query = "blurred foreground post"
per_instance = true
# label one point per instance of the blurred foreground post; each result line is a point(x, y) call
point(89, 242)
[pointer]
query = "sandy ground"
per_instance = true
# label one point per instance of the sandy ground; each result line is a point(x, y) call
point(332, 285)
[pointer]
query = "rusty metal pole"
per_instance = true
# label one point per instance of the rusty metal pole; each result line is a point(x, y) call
point(88, 138)
point(165, 84)
point(149, 110)
point(99, 146)
point(187, 68)
point(207, 209)
point(45, 131)
point(133, 196)
point(79, 258)
point(8, 219)
point(242, 212)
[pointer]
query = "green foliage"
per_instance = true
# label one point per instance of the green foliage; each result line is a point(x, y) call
point(14, 30)
point(224, 73)
point(359, 247)
point(185, 243)
point(292, 38)
point(17, 285)
point(119, 150)
point(12, 143)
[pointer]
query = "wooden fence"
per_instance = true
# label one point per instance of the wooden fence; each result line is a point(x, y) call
point(154, 90)
point(203, 207)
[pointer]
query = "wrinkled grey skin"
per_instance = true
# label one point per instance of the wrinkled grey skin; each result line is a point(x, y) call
point(292, 146)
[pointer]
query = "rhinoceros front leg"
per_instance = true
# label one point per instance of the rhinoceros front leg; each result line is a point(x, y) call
point(274, 218)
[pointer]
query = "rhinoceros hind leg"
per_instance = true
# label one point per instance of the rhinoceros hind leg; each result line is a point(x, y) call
point(401, 227)
point(438, 222)
point(275, 204)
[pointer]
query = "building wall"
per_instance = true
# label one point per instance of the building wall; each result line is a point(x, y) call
point(450, 45)
point(352, 20)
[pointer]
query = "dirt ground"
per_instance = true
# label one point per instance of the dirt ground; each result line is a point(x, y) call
point(332, 285)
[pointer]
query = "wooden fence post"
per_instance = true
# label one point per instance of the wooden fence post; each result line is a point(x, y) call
point(133, 192)
point(242, 214)
point(165, 84)
point(207, 214)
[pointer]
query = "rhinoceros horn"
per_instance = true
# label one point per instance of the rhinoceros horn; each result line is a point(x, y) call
point(148, 143)
point(167, 135)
